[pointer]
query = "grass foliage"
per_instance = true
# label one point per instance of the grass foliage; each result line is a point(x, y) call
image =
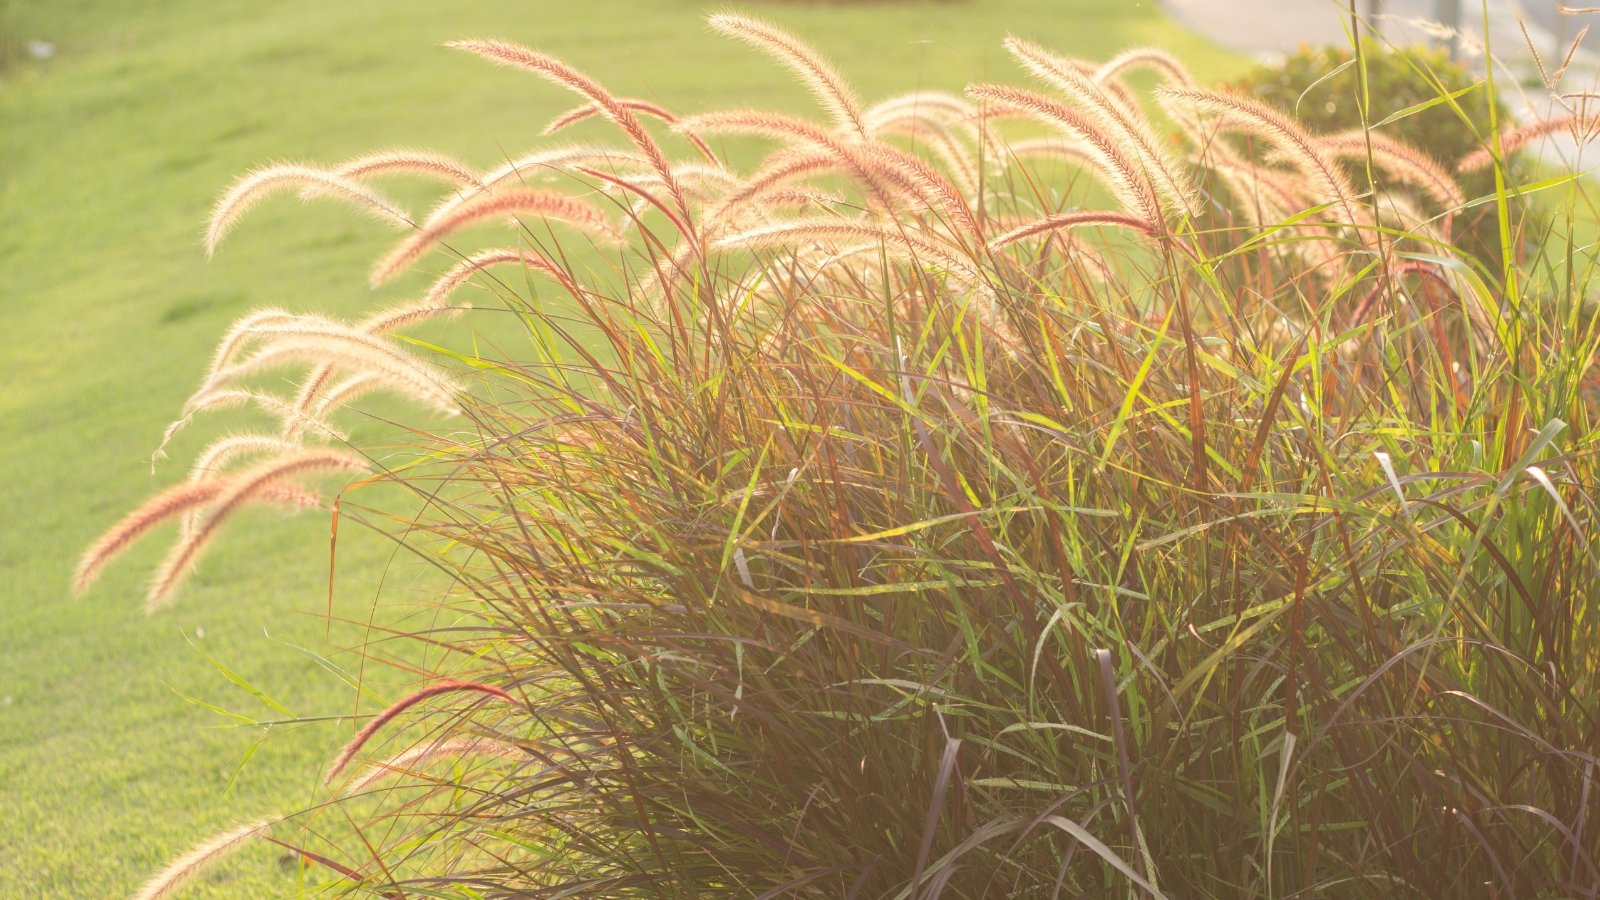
point(1066, 489)
point(111, 153)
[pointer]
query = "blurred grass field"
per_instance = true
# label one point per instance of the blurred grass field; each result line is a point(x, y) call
point(111, 153)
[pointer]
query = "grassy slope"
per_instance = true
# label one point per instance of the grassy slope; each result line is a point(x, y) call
point(110, 155)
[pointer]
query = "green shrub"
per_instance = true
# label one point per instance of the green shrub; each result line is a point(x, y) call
point(1322, 87)
point(854, 537)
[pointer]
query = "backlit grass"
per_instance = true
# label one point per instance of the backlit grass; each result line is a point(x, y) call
point(110, 156)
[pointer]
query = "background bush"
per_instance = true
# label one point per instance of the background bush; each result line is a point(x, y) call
point(1321, 86)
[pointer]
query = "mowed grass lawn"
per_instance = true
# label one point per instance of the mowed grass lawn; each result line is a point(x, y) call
point(110, 156)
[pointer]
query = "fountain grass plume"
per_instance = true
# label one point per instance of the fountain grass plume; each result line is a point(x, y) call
point(395, 709)
point(557, 72)
point(815, 72)
point(524, 202)
point(166, 882)
point(316, 343)
point(1400, 161)
point(409, 161)
point(1144, 58)
point(1127, 178)
point(248, 487)
point(1119, 123)
point(255, 186)
point(1583, 128)
point(401, 763)
point(1080, 219)
point(1282, 131)
point(590, 110)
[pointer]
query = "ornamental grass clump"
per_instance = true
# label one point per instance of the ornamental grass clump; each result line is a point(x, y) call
point(1056, 490)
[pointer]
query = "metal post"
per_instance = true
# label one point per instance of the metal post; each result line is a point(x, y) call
point(1558, 31)
point(1374, 10)
point(1448, 14)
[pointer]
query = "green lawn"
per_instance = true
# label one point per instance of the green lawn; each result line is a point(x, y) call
point(110, 155)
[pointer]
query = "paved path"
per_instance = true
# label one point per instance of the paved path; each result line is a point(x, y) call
point(1270, 27)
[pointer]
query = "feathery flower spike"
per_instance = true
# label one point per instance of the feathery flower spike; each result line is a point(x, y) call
point(400, 706)
point(185, 867)
point(257, 185)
